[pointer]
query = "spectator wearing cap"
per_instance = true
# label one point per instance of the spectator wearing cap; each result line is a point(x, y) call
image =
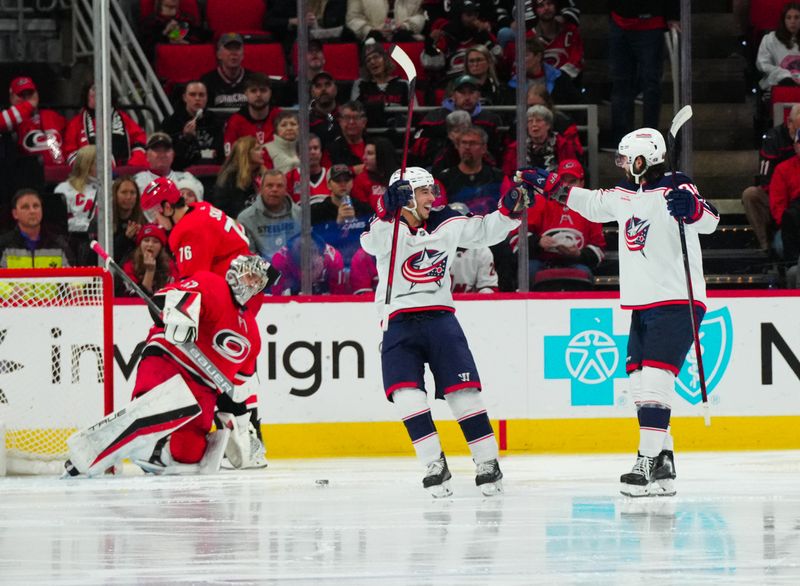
point(326, 21)
point(273, 218)
point(168, 24)
point(160, 156)
point(317, 173)
point(281, 151)
point(191, 189)
point(378, 87)
point(384, 21)
point(446, 46)
point(466, 97)
point(39, 137)
point(558, 84)
point(315, 63)
point(544, 147)
point(195, 131)
point(324, 114)
point(348, 147)
point(562, 238)
point(128, 139)
point(339, 219)
point(30, 244)
point(226, 83)
point(149, 265)
point(257, 118)
point(471, 181)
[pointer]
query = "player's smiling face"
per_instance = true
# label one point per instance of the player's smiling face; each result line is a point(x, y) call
point(424, 196)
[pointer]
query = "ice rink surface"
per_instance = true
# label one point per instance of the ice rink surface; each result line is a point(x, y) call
point(735, 520)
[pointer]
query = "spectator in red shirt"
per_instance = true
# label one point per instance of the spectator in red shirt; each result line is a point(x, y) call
point(562, 238)
point(380, 161)
point(784, 203)
point(317, 173)
point(363, 273)
point(562, 40)
point(257, 117)
point(128, 139)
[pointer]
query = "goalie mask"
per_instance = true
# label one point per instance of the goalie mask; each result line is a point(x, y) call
point(639, 150)
point(248, 276)
point(417, 177)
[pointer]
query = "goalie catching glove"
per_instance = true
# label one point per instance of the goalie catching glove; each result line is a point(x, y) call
point(181, 316)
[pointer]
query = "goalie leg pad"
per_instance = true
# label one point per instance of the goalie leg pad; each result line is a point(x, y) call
point(134, 429)
point(165, 464)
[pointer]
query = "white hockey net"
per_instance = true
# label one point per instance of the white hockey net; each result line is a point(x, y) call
point(56, 359)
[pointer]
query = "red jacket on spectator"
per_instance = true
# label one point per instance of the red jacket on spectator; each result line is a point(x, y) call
point(12, 117)
point(363, 273)
point(242, 124)
point(366, 189)
point(328, 274)
point(550, 218)
point(565, 52)
point(318, 187)
point(784, 187)
point(42, 134)
point(128, 139)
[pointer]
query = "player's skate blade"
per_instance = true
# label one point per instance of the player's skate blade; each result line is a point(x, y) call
point(489, 478)
point(437, 478)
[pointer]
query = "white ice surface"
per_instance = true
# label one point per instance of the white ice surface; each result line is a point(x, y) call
point(735, 520)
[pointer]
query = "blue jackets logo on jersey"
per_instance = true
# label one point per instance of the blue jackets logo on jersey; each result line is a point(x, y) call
point(716, 341)
point(636, 231)
point(426, 266)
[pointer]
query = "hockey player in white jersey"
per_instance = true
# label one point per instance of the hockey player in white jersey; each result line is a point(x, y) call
point(422, 326)
point(647, 205)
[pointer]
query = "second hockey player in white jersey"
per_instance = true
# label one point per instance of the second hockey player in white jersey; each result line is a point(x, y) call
point(647, 206)
point(422, 326)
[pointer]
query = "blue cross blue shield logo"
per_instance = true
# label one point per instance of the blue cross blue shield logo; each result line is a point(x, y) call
point(716, 341)
point(591, 356)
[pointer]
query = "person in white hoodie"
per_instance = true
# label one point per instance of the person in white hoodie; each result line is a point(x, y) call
point(272, 218)
point(779, 52)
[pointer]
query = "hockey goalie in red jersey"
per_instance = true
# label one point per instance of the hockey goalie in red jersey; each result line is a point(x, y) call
point(204, 238)
point(165, 429)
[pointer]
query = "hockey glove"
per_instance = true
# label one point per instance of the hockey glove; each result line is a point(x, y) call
point(395, 197)
point(181, 316)
point(533, 177)
point(683, 204)
point(516, 201)
point(555, 189)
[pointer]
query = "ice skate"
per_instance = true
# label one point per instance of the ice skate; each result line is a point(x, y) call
point(437, 478)
point(636, 482)
point(664, 475)
point(489, 478)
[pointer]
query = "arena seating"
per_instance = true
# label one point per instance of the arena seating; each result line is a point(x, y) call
point(181, 63)
point(266, 58)
point(188, 7)
point(245, 17)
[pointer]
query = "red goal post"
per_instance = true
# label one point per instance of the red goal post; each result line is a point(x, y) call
point(56, 361)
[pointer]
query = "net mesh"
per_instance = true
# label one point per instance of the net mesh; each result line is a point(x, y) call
point(51, 361)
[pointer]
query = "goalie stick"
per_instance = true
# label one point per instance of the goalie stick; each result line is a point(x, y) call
point(199, 359)
point(404, 61)
point(683, 116)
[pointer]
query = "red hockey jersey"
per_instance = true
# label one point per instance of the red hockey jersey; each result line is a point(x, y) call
point(550, 218)
point(206, 239)
point(43, 134)
point(127, 138)
point(227, 333)
point(241, 124)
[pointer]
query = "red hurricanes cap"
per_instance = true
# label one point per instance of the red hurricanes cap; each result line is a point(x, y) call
point(571, 167)
point(152, 231)
point(21, 84)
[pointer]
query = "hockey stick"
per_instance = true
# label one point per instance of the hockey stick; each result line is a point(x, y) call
point(196, 355)
point(404, 61)
point(683, 115)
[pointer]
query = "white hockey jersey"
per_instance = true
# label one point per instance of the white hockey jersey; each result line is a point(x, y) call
point(473, 271)
point(81, 205)
point(424, 255)
point(650, 259)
